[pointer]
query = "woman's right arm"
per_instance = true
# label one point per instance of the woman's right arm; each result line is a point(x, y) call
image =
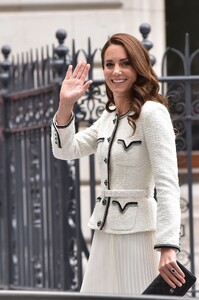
point(72, 89)
point(66, 144)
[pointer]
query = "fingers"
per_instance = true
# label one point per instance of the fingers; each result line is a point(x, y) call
point(69, 72)
point(175, 269)
point(80, 71)
point(87, 84)
point(173, 275)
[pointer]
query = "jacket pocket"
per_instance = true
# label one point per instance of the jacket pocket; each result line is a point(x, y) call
point(129, 151)
point(122, 215)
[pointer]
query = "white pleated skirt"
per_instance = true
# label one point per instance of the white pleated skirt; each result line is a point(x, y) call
point(120, 264)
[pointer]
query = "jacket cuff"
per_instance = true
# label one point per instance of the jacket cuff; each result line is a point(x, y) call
point(158, 247)
point(55, 126)
point(65, 125)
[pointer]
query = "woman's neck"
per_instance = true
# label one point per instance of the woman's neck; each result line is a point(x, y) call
point(122, 106)
point(122, 103)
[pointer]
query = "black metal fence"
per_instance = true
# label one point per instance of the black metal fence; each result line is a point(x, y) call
point(40, 217)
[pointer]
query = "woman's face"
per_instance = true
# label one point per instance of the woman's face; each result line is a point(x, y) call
point(118, 73)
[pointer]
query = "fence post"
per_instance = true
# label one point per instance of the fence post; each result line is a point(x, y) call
point(4, 236)
point(145, 29)
point(61, 58)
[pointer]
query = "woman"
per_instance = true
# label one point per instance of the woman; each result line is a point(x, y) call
point(135, 236)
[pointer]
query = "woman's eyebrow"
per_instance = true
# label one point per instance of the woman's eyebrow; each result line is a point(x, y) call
point(122, 59)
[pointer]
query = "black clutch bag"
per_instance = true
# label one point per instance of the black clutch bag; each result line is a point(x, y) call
point(159, 287)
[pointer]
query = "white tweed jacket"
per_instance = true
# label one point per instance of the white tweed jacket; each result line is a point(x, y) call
point(131, 166)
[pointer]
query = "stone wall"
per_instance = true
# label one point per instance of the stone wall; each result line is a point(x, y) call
point(27, 24)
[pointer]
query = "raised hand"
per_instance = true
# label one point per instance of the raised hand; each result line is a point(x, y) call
point(73, 87)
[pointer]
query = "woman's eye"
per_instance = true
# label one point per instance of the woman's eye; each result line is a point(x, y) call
point(109, 65)
point(125, 63)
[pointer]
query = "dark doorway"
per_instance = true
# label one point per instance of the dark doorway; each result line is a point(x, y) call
point(181, 18)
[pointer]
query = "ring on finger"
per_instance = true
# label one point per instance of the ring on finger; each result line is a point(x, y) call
point(173, 270)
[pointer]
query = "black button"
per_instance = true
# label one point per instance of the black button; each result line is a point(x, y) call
point(99, 223)
point(99, 199)
point(105, 160)
point(108, 139)
point(105, 182)
point(114, 121)
point(104, 201)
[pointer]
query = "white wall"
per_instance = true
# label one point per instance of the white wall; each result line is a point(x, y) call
point(29, 24)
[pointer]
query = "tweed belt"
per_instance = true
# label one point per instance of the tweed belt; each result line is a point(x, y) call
point(115, 193)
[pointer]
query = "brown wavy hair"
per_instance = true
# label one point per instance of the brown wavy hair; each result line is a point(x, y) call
point(146, 86)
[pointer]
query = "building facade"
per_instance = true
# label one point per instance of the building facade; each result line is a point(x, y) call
point(27, 24)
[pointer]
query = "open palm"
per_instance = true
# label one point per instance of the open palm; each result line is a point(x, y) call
point(74, 85)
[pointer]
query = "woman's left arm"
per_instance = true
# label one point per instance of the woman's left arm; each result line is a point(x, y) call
point(160, 140)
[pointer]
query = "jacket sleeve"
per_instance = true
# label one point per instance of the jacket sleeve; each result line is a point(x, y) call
point(160, 140)
point(67, 144)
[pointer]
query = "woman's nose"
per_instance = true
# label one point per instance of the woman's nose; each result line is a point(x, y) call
point(117, 70)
